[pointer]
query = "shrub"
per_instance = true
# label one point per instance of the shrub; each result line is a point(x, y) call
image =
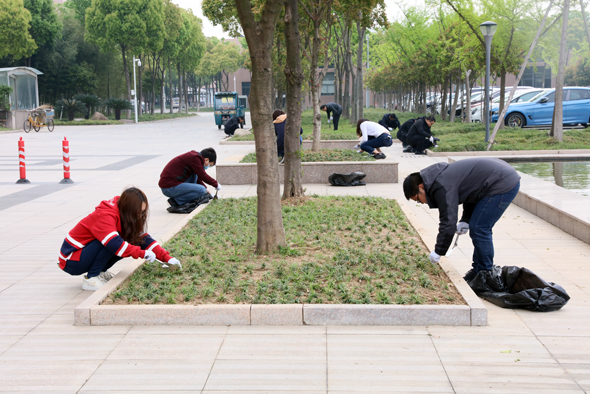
point(118, 105)
point(70, 106)
point(90, 101)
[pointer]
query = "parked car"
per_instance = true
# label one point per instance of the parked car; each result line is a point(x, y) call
point(520, 96)
point(539, 110)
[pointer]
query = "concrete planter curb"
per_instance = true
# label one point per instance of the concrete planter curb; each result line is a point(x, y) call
point(324, 144)
point(511, 153)
point(381, 171)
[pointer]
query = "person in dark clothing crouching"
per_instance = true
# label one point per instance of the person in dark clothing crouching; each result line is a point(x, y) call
point(333, 109)
point(402, 134)
point(485, 187)
point(232, 125)
point(184, 177)
point(279, 119)
point(419, 136)
point(389, 121)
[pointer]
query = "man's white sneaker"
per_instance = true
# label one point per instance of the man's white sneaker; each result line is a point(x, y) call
point(106, 276)
point(93, 283)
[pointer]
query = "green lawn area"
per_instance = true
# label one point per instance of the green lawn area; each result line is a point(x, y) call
point(455, 137)
point(85, 122)
point(158, 116)
point(347, 250)
point(323, 155)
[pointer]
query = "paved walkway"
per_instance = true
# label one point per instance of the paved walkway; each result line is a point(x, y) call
point(42, 352)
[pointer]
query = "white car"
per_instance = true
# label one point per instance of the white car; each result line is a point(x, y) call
point(520, 96)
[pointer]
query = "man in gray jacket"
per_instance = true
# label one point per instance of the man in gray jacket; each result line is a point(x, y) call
point(485, 187)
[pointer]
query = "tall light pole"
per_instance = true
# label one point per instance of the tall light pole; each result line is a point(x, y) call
point(488, 29)
point(367, 68)
point(138, 61)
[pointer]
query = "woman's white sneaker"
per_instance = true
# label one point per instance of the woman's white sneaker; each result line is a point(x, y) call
point(93, 283)
point(106, 276)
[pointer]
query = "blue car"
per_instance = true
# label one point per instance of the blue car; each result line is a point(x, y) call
point(539, 110)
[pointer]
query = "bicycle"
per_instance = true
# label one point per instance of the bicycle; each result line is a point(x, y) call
point(39, 118)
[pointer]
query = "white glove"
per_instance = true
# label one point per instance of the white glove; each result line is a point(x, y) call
point(150, 256)
point(431, 139)
point(462, 228)
point(434, 257)
point(174, 261)
point(357, 146)
point(218, 187)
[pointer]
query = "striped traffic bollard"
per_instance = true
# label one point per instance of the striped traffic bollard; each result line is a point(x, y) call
point(21, 162)
point(66, 150)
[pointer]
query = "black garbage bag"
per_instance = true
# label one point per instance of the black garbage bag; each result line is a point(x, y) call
point(352, 179)
point(516, 287)
point(191, 206)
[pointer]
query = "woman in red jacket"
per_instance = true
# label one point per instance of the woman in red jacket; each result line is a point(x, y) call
point(116, 229)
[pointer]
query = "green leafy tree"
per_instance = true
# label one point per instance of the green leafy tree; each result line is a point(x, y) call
point(129, 25)
point(15, 39)
point(70, 107)
point(45, 25)
point(118, 105)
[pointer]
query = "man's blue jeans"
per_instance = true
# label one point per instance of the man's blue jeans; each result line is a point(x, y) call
point(377, 142)
point(486, 213)
point(186, 192)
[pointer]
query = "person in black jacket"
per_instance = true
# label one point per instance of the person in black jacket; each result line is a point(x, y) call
point(485, 187)
point(279, 119)
point(390, 121)
point(402, 134)
point(419, 136)
point(335, 110)
point(232, 125)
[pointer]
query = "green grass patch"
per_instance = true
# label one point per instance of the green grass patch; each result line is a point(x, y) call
point(4, 129)
point(322, 155)
point(512, 139)
point(340, 250)
point(150, 117)
point(85, 122)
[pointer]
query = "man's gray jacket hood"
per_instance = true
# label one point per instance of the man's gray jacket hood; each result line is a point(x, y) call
point(463, 182)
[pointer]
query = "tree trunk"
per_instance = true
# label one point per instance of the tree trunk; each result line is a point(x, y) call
point(359, 70)
point(185, 87)
point(316, 86)
point(585, 23)
point(557, 124)
point(163, 89)
point(443, 104)
point(347, 76)
point(180, 89)
point(502, 93)
point(171, 95)
point(294, 78)
point(259, 36)
point(453, 108)
point(468, 98)
point(127, 80)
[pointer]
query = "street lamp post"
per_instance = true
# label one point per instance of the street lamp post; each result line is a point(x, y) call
point(488, 29)
point(138, 61)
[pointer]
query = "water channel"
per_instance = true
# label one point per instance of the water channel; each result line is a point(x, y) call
point(571, 175)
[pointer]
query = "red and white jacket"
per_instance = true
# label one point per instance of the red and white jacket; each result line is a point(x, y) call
point(104, 224)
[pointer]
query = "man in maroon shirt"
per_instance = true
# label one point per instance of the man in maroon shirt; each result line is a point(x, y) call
point(184, 177)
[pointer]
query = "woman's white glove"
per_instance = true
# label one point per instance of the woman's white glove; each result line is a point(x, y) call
point(431, 139)
point(174, 261)
point(462, 228)
point(434, 257)
point(218, 188)
point(150, 256)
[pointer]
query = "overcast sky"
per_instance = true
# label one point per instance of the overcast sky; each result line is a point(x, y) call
point(209, 30)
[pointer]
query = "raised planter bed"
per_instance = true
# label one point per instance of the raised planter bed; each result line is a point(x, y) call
point(469, 311)
point(318, 172)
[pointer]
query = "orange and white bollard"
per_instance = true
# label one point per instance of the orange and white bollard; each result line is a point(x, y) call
point(21, 162)
point(66, 152)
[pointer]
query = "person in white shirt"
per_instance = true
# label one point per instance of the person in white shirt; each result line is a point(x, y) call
point(373, 136)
